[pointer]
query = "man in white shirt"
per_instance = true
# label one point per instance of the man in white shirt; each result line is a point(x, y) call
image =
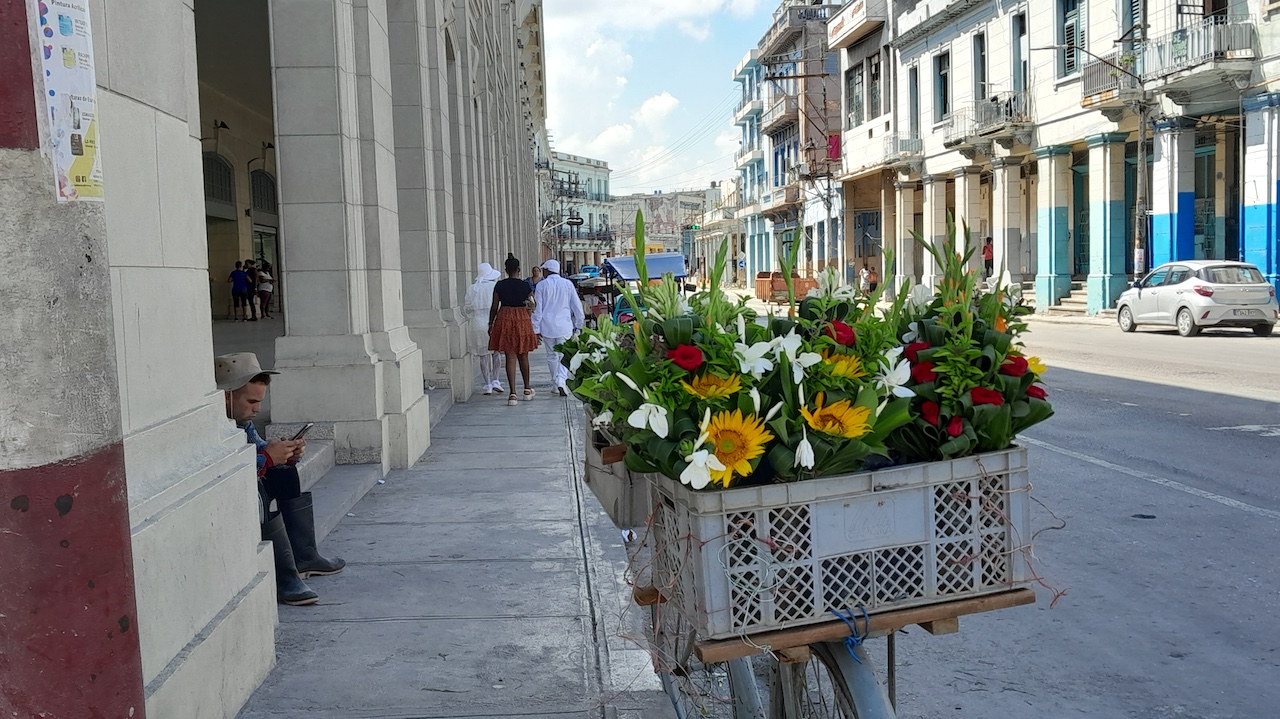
point(557, 316)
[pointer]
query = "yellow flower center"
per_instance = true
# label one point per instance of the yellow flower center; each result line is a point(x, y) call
point(842, 365)
point(738, 439)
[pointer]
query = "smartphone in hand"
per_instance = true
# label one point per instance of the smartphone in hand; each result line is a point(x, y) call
point(303, 432)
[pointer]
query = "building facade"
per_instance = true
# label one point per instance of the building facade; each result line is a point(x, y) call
point(668, 219)
point(579, 188)
point(1091, 140)
point(374, 152)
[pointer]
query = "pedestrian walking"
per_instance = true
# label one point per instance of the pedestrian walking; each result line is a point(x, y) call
point(240, 300)
point(988, 256)
point(873, 280)
point(266, 287)
point(477, 308)
point(864, 280)
point(510, 328)
point(534, 278)
point(557, 316)
point(251, 273)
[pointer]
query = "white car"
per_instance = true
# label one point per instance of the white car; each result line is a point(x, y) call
point(1195, 294)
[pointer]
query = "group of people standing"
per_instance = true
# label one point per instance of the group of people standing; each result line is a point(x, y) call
point(510, 317)
point(251, 288)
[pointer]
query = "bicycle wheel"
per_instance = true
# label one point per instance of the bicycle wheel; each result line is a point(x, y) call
point(697, 690)
point(816, 689)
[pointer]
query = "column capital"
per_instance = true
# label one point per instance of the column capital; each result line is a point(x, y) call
point(1000, 163)
point(1052, 151)
point(1261, 102)
point(967, 170)
point(1106, 138)
point(931, 179)
point(905, 184)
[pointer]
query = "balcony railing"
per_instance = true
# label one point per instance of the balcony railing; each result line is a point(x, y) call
point(1212, 39)
point(958, 127)
point(745, 152)
point(1001, 110)
point(789, 19)
point(784, 109)
point(1098, 77)
point(902, 146)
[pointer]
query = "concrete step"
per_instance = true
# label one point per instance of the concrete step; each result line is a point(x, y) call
point(338, 492)
point(316, 462)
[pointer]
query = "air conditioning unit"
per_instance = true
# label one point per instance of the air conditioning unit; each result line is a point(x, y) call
point(802, 169)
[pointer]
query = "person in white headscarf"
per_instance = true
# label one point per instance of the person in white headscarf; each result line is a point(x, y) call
point(478, 301)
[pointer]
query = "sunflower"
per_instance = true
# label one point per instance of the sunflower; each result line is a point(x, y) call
point(709, 386)
point(736, 439)
point(840, 419)
point(847, 366)
point(1035, 365)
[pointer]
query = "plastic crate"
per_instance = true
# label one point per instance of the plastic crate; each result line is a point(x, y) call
point(754, 559)
point(626, 498)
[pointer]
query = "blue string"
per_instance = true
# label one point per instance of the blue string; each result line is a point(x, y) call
point(854, 640)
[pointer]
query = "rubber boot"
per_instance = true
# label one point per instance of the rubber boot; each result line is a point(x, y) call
point(290, 589)
point(300, 521)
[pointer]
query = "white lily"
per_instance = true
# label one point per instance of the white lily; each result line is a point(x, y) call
point(595, 339)
point(752, 360)
point(919, 298)
point(576, 361)
point(802, 363)
point(604, 419)
point(701, 463)
point(628, 381)
point(913, 332)
point(755, 400)
point(893, 378)
point(789, 347)
point(774, 412)
point(651, 416)
point(892, 355)
point(742, 329)
point(804, 453)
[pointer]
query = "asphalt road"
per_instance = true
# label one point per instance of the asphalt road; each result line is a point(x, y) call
point(1172, 515)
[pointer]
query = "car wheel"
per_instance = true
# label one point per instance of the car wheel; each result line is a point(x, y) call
point(1125, 318)
point(1187, 326)
point(1263, 330)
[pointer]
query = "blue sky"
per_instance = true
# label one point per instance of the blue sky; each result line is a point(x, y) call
point(646, 85)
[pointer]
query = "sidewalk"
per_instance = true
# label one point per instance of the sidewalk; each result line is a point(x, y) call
point(483, 582)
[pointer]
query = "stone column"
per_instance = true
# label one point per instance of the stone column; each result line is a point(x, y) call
point(1053, 278)
point(347, 361)
point(888, 234)
point(969, 213)
point(1260, 221)
point(906, 273)
point(1107, 226)
point(935, 225)
point(1006, 217)
point(1173, 193)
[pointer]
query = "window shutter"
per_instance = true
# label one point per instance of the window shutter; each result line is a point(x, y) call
point(1071, 38)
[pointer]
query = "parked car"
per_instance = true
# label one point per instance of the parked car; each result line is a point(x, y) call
point(590, 270)
point(1195, 294)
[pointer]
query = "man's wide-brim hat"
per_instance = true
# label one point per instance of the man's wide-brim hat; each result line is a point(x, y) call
point(234, 371)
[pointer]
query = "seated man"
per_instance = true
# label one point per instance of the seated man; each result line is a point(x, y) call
point(291, 529)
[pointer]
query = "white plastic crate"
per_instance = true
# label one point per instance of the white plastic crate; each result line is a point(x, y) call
point(626, 498)
point(754, 559)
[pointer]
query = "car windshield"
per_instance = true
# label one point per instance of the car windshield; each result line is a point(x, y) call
point(1233, 275)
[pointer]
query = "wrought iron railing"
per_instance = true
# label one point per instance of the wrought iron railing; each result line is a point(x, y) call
point(1001, 109)
point(958, 126)
point(1213, 38)
point(902, 146)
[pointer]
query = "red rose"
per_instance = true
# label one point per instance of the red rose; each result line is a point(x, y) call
point(912, 351)
point(982, 395)
point(1037, 392)
point(923, 373)
point(686, 357)
point(1014, 366)
point(929, 410)
point(955, 427)
point(841, 333)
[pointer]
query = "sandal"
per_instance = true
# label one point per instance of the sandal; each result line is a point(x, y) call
point(528, 395)
point(511, 399)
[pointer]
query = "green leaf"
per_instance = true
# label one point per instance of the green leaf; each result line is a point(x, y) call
point(678, 331)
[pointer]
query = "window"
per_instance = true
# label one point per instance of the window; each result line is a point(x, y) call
point(1177, 276)
point(980, 67)
point(854, 86)
point(219, 179)
point(873, 86)
point(1132, 10)
point(1156, 278)
point(941, 86)
point(1233, 275)
point(913, 101)
point(263, 188)
point(1073, 36)
point(1019, 49)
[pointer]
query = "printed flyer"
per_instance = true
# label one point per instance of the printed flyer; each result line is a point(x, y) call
point(66, 45)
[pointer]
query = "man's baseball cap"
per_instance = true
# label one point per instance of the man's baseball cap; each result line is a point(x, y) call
point(234, 371)
point(552, 266)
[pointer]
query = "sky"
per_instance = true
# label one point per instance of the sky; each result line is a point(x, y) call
point(647, 86)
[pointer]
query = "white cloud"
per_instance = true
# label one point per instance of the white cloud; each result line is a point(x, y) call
point(654, 110)
point(697, 30)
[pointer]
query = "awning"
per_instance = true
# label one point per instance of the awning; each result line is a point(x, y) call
point(656, 264)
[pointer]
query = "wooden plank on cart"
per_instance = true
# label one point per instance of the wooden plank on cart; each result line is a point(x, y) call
point(725, 649)
point(951, 625)
point(613, 454)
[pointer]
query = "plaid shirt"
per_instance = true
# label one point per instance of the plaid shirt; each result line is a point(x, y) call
point(256, 440)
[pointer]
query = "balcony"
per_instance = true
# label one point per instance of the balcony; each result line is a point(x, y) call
point(1004, 117)
point(748, 155)
point(855, 21)
point(789, 20)
point(784, 200)
point(1215, 53)
point(904, 150)
point(1105, 88)
point(784, 111)
point(746, 109)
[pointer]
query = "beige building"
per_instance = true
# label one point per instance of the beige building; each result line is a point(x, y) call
point(579, 189)
point(373, 152)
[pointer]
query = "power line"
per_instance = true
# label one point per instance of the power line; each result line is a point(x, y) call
point(709, 123)
point(684, 172)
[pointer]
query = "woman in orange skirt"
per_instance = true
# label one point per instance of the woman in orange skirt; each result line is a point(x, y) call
point(510, 327)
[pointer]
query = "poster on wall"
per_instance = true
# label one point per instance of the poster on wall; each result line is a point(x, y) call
point(70, 94)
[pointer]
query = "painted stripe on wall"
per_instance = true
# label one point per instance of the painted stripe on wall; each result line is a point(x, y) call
point(18, 127)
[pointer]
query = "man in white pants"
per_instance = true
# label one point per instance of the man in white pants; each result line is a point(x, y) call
point(557, 316)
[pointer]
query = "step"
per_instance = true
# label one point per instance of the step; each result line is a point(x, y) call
point(338, 492)
point(316, 462)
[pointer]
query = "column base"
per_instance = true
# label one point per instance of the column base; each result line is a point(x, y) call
point(1103, 290)
point(1050, 289)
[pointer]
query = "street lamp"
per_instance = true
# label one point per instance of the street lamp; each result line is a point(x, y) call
point(1142, 106)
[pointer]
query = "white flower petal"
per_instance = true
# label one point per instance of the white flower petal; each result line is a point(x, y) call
point(629, 382)
point(639, 418)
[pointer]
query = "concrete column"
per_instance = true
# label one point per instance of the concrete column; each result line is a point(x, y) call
point(69, 646)
point(1053, 202)
point(905, 273)
point(969, 213)
point(1173, 193)
point(1260, 221)
point(1006, 217)
point(347, 358)
point(1107, 236)
point(935, 225)
point(888, 233)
